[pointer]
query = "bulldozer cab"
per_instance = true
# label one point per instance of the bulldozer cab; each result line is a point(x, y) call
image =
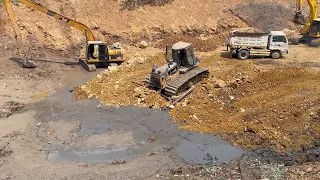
point(183, 54)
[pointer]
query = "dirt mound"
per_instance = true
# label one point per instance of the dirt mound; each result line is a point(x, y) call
point(270, 108)
point(124, 86)
point(264, 16)
point(9, 108)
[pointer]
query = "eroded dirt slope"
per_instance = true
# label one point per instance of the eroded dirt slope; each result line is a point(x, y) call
point(130, 21)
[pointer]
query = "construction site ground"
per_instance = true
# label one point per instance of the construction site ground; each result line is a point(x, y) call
point(252, 119)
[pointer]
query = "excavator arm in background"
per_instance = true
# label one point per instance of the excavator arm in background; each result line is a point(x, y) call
point(21, 49)
point(96, 51)
point(39, 7)
point(312, 24)
point(298, 16)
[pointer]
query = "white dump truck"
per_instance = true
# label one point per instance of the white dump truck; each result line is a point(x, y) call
point(262, 44)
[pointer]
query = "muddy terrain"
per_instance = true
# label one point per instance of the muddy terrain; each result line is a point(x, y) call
point(253, 119)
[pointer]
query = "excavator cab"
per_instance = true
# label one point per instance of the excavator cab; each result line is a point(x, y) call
point(96, 50)
point(311, 24)
point(315, 28)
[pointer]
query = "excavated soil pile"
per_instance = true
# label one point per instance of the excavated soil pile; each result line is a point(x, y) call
point(274, 107)
point(124, 86)
point(265, 16)
point(267, 105)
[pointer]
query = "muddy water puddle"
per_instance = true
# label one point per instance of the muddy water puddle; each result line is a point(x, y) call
point(96, 134)
point(194, 153)
point(97, 156)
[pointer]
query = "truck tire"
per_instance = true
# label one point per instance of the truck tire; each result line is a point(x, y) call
point(276, 54)
point(243, 54)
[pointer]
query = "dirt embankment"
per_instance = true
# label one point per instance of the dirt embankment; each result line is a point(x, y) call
point(130, 21)
point(266, 16)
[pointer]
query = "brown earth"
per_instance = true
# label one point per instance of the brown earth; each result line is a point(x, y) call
point(130, 21)
point(260, 103)
point(273, 106)
point(256, 103)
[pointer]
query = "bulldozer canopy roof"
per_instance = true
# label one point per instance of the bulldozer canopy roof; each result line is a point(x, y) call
point(180, 45)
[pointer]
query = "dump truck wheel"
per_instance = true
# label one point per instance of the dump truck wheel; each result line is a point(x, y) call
point(243, 54)
point(275, 54)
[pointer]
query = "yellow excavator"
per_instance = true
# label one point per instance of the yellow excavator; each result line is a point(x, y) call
point(97, 52)
point(312, 25)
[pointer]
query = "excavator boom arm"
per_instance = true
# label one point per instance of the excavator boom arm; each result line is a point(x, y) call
point(313, 4)
point(299, 5)
point(39, 7)
point(15, 26)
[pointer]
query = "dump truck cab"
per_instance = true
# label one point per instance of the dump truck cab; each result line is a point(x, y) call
point(277, 41)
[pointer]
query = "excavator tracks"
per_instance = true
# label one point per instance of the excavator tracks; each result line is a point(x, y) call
point(184, 81)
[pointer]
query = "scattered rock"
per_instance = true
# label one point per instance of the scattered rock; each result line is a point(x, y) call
point(309, 169)
point(143, 44)
point(140, 60)
point(194, 117)
point(113, 68)
point(116, 162)
point(219, 84)
point(99, 76)
point(152, 139)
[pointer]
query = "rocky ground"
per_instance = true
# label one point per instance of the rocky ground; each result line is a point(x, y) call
point(58, 121)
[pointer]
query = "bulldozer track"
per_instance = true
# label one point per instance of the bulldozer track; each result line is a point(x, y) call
point(181, 83)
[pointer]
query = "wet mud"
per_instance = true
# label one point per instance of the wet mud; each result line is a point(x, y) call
point(86, 131)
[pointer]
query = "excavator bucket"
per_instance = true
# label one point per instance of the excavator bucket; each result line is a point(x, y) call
point(299, 18)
